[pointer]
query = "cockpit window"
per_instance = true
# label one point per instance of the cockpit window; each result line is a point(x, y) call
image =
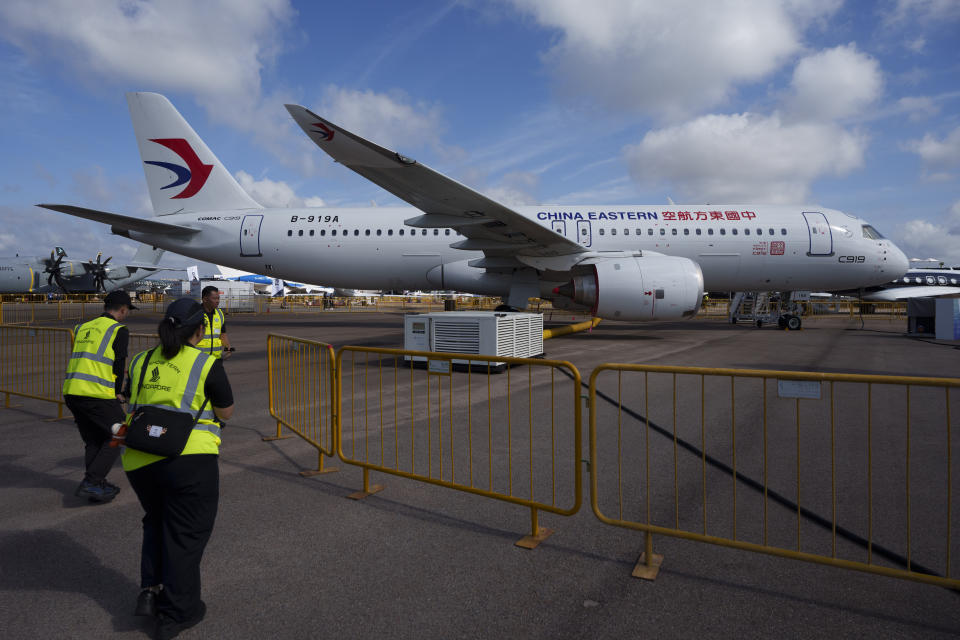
point(871, 233)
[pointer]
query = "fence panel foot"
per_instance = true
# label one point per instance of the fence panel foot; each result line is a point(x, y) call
point(532, 541)
point(360, 495)
point(647, 570)
point(272, 438)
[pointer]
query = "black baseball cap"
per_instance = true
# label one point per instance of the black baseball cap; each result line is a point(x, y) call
point(118, 299)
point(184, 312)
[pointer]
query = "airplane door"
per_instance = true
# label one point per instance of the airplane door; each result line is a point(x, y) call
point(250, 235)
point(560, 226)
point(584, 233)
point(821, 238)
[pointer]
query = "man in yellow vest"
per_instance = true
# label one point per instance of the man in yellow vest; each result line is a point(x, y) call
point(215, 341)
point(91, 390)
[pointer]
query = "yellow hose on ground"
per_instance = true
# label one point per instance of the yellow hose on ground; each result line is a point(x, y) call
point(570, 328)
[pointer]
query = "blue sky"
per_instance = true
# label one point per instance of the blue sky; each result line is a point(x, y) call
point(848, 105)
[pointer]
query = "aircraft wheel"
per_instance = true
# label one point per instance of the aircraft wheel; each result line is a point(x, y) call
point(793, 323)
point(782, 322)
point(759, 323)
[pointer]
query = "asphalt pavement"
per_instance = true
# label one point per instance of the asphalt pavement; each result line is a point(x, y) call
point(292, 557)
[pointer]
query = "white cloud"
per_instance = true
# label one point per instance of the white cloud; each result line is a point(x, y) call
point(390, 120)
point(744, 157)
point(669, 58)
point(937, 155)
point(516, 189)
point(274, 193)
point(834, 83)
point(213, 47)
point(922, 239)
point(923, 11)
point(918, 107)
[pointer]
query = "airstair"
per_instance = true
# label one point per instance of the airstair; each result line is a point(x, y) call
point(768, 307)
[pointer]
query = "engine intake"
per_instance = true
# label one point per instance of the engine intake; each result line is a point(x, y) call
point(651, 288)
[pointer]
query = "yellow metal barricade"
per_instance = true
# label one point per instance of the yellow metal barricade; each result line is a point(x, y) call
point(302, 392)
point(141, 342)
point(513, 436)
point(853, 471)
point(33, 362)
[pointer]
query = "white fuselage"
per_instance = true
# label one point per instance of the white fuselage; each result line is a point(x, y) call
point(737, 247)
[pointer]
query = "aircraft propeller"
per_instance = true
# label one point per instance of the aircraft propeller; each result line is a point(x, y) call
point(53, 270)
point(99, 271)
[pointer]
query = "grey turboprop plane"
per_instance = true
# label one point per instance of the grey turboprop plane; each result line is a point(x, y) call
point(58, 274)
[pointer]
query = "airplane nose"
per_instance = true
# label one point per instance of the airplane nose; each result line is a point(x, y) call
point(897, 260)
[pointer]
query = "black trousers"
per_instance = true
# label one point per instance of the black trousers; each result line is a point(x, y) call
point(180, 497)
point(94, 417)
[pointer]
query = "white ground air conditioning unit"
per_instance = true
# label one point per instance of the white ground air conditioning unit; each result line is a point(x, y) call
point(488, 333)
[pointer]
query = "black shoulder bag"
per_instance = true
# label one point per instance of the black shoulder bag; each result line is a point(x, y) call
point(162, 432)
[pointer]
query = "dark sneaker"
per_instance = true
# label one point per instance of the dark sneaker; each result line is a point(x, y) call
point(146, 603)
point(97, 492)
point(168, 628)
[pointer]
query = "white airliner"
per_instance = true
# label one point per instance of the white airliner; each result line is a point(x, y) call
point(620, 262)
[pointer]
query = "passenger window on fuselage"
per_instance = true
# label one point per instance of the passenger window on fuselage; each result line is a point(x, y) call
point(759, 231)
point(446, 232)
point(673, 231)
point(379, 232)
point(746, 232)
point(723, 231)
point(709, 232)
point(733, 231)
point(367, 232)
point(436, 232)
point(686, 232)
point(613, 232)
point(699, 231)
point(401, 231)
point(356, 232)
point(389, 232)
point(311, 231)
point(289, 232)
point(663, 232)
point(583, 231)
point(649, 232)
point(424, 232)
point(638, 231)
point(300, 233)
point(783, 232)
point(323, 232)
point(602, 230)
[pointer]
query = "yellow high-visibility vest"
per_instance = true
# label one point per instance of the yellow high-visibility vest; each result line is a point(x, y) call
point(175, 384)
point(90, 370)
point(211, 343)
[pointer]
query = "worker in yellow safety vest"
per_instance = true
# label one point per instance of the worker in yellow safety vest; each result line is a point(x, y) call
point(215, 341)
point(92, 391)
point(178, 494)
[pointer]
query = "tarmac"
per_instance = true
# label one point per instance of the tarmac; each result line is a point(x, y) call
point(292, 557)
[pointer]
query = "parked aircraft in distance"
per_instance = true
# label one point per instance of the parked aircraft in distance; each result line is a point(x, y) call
point(272, 286)
point(915, 283)
point(58, 274)
point(621, 262)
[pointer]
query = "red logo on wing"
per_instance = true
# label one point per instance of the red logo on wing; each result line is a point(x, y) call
point(323, 131)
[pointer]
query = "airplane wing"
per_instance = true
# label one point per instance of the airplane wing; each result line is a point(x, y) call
point(497, 230)
point(905, 293)
point(126, 223)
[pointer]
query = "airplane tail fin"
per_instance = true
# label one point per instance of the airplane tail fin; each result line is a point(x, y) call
point(182, 173)
point(147, 255)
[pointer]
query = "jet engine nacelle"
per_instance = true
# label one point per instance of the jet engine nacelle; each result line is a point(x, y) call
point(631, 288)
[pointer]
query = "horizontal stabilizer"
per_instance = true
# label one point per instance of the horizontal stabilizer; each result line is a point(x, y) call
point(126, 223)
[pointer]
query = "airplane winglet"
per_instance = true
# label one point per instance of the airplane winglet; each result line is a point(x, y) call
point(125, 223)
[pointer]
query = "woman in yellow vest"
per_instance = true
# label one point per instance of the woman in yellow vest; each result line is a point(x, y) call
point(179, 494)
